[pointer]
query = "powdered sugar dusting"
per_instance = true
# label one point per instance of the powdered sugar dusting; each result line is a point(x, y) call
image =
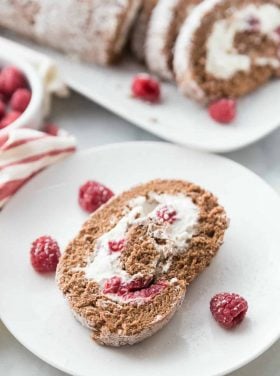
point(91, 29)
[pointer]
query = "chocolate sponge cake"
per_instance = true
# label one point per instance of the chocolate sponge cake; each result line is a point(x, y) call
point(164, 26)
point(126, 273)
point(228, 48)
point(93, 30)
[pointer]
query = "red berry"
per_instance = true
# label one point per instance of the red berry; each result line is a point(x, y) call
point(4, 98)
point(9, 118)
point(135, 285)
point(146, 293)
point(146, 88)
point(228, 309)
point(116, 245)
point(44, 254)
point(223, 111)
point(11, 79)
point(20, 99)
point(2, 109)
point(139, 288)
point(92, 195)
point(112, 285)
point(167, 214)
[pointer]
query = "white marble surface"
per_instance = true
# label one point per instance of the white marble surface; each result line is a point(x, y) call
point(94, 126)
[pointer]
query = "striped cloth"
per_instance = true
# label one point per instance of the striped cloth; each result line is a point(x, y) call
point(24, 152)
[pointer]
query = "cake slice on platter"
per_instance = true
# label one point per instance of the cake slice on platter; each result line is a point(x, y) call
point(228, 48)
point(127, 271)
point(93, 30)
point(163, 28)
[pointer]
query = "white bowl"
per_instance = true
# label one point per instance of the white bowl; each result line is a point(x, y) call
point(32, 117)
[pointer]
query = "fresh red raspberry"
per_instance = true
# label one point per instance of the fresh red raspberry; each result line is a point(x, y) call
point(2, 109)
point(20, 99)
point(11, 79)
point(116, 245)
point(112, 285)
point(146, 88)
point(9, 118)
point(228, 309)
point(44, 254)
point(223, 111)
point(92, 195)
point(4, 98)
point(167, 214)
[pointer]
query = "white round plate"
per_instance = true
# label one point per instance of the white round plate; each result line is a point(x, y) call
point(192, 343)
point(177, 119)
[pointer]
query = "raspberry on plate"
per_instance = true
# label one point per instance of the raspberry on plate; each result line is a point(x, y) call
point(92, 195)
point(223, 111)
point(228, 309)
point(44, 254)
point(146, 87)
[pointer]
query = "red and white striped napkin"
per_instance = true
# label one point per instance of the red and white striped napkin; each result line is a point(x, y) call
point(24, 152)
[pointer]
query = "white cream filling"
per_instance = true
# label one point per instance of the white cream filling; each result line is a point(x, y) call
point(104, 264)
point(159, 27)
point(223, 61)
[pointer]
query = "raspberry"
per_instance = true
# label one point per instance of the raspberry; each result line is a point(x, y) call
point(146, 88)
point(223, 111)
point(9, 118)
point(2, 109)
point(11, 79)
point(167, 214)
point(277, 31)
point(146, 293)
point(139, 288)
point(92, 195)
point(136, 284)
point(228, 309)
point(112, 285)
point(44, 254)
point(116, 246)
point(20, 99)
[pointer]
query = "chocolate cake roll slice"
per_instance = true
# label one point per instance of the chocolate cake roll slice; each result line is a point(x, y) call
point(93, 30)
point(228, 48)
point(165, 23)
point(139, 30)
point(126, 273)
